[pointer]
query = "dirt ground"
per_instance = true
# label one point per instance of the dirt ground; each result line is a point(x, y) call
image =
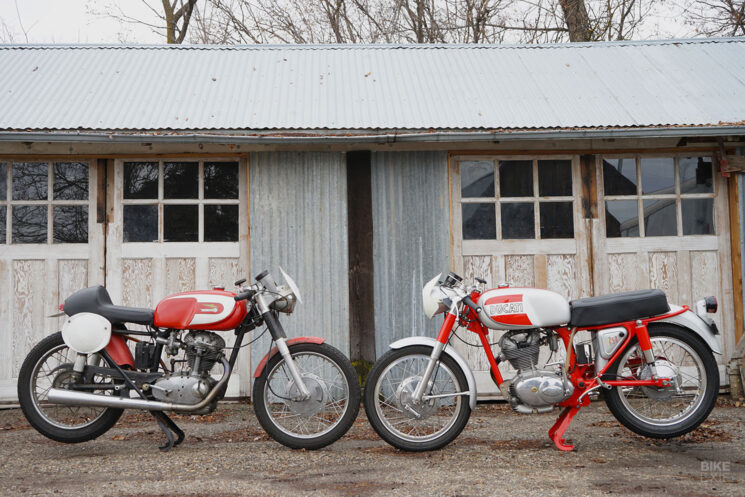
point(499, 453)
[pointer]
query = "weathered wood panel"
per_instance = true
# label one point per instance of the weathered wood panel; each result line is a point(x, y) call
point(520, 270)
point(180, 275)
point(28, 308)
point(72, 276)
point(705, 279)
point(562, 275)
point(623, 274)
point(224, 272)
point(137, 282)
point(663, 274)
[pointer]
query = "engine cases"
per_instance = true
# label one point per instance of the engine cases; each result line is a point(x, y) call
point(522, 308)
point(201, 310)
point(538, 390)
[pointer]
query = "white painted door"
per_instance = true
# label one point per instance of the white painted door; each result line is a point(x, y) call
point(51, 244)
point(179, 225)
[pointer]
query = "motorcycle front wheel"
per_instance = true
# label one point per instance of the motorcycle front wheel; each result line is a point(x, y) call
point(323, 418)
point(49, 364)
point(672, 411)
point(427, 425)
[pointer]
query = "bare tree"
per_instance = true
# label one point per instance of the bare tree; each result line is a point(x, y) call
point(173, 16)
point(717, 17)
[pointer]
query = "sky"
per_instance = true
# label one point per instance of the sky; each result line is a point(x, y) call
point(76, 21)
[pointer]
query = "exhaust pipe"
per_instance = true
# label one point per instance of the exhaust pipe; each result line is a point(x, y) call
point(76, 398)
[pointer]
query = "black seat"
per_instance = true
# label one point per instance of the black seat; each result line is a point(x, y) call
point(617, 307)
point(96, 299)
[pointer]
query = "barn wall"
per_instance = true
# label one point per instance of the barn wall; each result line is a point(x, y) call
point(411, 226)
point(298, 220)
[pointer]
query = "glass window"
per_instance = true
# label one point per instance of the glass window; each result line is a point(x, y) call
point(696, 175)
point(180, 223)
point(619, 176)
point(141, 180)
point(140, 223)
point(477, 179)
point(516, 178)
point(479, 221)
point(658, 175)
point(70, 224)
point(621, 218)
point(30, 180)
point(29, 224)
point(557, 220)
point(698, 216)
point(3, 181)
point(660, 218)
point(518, 220)
point(555, 178)
point(221, 223)
point(70, 181)
point(181, 180)
point(3, 223)
point(221, 180)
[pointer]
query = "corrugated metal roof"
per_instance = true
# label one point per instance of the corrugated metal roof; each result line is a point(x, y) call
point(378, 87)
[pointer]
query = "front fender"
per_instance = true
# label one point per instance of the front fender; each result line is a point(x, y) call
point(691, 321)
point(291, 341)
point(449, 350)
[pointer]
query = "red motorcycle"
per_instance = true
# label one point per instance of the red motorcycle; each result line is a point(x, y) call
point(74, 385)
point(654, 362)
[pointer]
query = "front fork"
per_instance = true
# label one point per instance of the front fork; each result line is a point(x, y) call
point(280, 338)
point(434, 357)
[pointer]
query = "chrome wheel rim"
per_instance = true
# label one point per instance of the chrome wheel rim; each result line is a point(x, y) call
point(313, 417)
point(406, 420)
point(662, 407)
point(53, 370)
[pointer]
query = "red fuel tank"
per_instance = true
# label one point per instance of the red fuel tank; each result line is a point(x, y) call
point(522, 308)
point(214, 310)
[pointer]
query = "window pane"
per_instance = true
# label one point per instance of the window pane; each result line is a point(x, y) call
point(220, 223)
point(3, 182)
point(518, 220)
point(557, 220)
point(220, 180)
point(658, 175)
point(29, 223)
point(70, 224)
point(30, 181)
point(696, 175)
point(555, 177)
point(698, 216)
point(180, 223)
point(619, 176)
point(477, 179)
point(660, 218)
point(516, 178)
point(621, 218)
point(3, 224)
point(181, 180)
point(140, 223)
point(141, 180)
point(479, 222)
point(70, 181)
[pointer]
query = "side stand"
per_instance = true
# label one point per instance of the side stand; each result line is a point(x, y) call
point(170, 428)
point(557, 430)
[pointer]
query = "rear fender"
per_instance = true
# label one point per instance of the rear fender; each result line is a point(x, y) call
point(449, 350)
point(290, 342)
point(692, 322)
point(119, 352)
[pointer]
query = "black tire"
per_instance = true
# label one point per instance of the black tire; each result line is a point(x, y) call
point(352, 406)
point(691, 421)
point(107, 419)
point(371, 405)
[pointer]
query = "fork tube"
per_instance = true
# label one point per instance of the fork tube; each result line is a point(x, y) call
point(442, 339)
point(490, 357)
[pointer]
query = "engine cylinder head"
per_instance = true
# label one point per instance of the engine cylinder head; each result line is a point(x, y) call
point(205, 345)
point(521, 348)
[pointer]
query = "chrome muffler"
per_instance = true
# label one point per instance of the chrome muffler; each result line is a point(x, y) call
point(76, 398)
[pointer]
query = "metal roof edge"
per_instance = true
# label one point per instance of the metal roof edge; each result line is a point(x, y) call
point(437, 137)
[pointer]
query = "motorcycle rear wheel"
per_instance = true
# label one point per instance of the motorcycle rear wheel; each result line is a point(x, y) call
point(666, 413)
point(48, 363)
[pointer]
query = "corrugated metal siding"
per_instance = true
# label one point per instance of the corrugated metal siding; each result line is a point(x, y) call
point(299, 221)
point(411, 239)
point(692, 82)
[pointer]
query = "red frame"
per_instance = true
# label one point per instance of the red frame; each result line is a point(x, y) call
point(583, 376)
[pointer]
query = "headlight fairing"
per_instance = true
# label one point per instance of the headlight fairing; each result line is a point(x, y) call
point(432, 298)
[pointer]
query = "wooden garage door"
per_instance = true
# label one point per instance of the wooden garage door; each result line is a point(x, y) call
point(178, 225)
point(50, 246)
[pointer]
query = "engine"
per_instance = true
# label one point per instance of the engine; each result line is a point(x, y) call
point(533, 390)
point(190, 385)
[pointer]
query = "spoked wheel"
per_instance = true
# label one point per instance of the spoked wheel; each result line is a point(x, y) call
point(49, 365)
point(323, 418)
point(671, 411)
point(405, 424)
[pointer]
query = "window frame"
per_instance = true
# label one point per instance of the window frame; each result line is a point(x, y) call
point(640, 197)
point(50, 203)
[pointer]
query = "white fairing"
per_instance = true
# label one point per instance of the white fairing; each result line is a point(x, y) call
point(522, 308)
point(430, 299)
point(293, 286)
point(449, 350)
point(86, 332)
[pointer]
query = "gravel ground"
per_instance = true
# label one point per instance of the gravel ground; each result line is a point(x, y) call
point(499, 453)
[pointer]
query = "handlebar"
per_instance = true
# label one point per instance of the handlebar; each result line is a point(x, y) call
point(244, 295)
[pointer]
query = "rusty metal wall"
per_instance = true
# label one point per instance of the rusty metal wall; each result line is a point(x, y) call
point(411, 239)
point(298, 220)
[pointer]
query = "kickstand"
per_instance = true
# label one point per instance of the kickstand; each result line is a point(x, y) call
point(168, 427)
point(557, 430)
